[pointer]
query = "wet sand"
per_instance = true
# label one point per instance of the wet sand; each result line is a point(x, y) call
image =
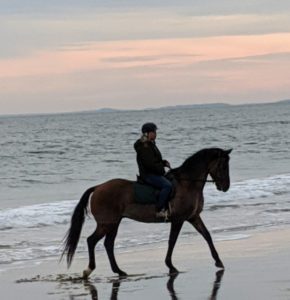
point(257, 267)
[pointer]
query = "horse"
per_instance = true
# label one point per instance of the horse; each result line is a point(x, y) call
point(113, 200)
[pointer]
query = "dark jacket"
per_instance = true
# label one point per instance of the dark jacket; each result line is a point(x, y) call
point(149, 158)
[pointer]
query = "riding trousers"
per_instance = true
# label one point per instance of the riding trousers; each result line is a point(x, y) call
point(165, 187)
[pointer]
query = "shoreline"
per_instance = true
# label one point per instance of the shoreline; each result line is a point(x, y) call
point(256, 267)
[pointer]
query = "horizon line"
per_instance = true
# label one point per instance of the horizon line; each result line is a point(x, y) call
point(112, 109)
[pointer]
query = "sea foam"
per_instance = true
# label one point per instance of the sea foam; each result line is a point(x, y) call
point(55, 213)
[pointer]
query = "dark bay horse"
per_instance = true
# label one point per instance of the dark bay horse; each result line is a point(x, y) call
point(113, 200)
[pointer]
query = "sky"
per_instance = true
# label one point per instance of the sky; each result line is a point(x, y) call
point(71, 55)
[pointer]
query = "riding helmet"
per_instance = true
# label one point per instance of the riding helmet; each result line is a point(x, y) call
point(149, 127)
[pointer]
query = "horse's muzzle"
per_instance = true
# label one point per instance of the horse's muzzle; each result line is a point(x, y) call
point(223, 186)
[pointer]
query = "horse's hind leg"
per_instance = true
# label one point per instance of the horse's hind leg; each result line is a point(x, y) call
point(201, 228)
point(92, 240)
point(109, 245)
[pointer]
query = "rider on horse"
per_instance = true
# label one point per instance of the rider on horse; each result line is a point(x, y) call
point(152, 167)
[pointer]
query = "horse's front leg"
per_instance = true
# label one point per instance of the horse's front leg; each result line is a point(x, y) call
point(201, 228)
point(174, 232)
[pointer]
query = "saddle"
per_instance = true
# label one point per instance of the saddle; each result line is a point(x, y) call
point(147, 194)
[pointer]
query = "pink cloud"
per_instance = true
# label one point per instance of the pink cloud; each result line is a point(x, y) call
point(143, 53)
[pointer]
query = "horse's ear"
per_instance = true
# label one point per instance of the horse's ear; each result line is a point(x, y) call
point(228, 151)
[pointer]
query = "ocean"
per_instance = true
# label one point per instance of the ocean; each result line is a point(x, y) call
point(48, 161)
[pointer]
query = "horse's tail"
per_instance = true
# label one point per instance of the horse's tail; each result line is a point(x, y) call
point(77, 220)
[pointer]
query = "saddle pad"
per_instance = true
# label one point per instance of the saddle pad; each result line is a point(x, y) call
point(144, 194)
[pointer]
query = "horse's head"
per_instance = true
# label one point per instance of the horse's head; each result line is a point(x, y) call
point(219, 169)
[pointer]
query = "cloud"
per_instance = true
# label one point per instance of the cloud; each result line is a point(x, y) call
point(65, 55)
point(146, 73)
point(198, 7)
point(144, 53)
point(24, 34)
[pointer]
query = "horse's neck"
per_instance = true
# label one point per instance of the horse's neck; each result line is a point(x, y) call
point(196, 175)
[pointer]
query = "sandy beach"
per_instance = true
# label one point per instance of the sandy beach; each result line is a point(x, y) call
point(257, 267)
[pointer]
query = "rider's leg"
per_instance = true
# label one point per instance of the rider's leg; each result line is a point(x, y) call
point(165, 187)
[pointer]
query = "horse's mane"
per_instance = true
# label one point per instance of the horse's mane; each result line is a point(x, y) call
point(201, 157)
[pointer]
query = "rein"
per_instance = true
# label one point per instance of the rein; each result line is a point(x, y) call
point(191, 179)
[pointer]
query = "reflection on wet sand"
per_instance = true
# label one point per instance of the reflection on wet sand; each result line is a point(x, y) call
point(115, 290)
point(216, 285)
point(170, 287)
point(94, 292)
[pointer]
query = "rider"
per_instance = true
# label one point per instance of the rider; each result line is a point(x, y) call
point(151, 167)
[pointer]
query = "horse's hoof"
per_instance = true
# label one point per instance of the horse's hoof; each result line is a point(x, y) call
point(219, 264)
point(173, 271)
point(220, 273)
point(122, 274)
point(86, 273)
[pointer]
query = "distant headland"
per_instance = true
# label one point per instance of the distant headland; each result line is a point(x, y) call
point(217, 105)
point(189, 106)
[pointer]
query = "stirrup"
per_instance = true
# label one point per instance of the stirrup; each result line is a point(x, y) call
point(163, 214)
